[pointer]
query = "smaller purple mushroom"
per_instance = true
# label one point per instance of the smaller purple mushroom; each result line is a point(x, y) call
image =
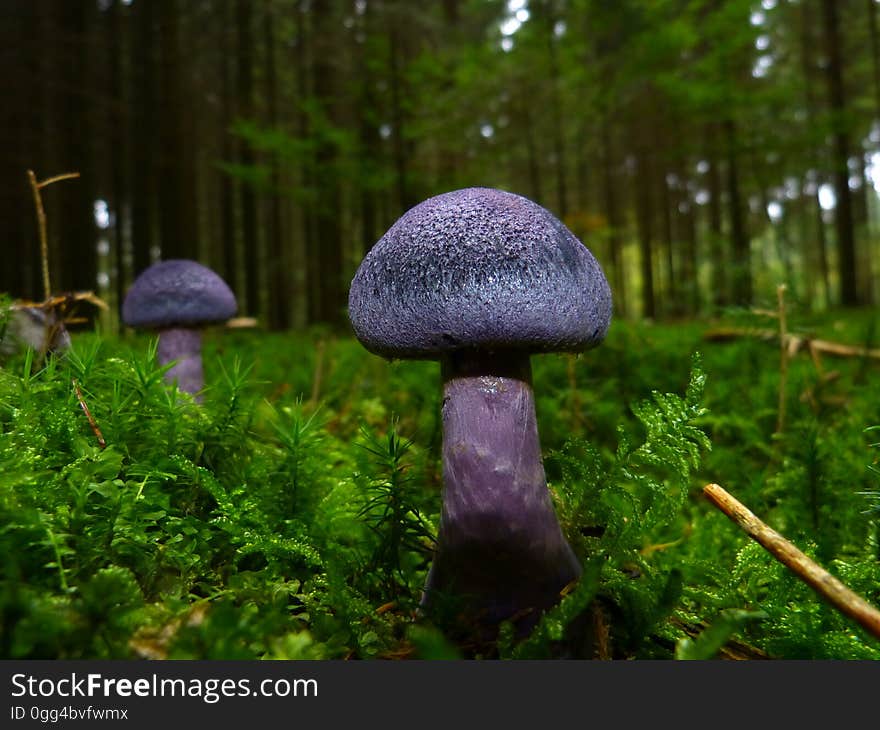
point(178, 298)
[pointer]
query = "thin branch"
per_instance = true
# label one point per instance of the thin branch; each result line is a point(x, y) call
point(793, 343)
point(41, 227)
point(41, 222)
point(814, 575)
point(57, 178)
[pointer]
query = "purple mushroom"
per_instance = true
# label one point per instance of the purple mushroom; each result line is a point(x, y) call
point(480, 279)
point(178, 298)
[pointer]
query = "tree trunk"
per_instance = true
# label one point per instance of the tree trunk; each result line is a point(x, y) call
point(671, 296)
point(874, 36)
point(397, 123)
point(645, 221)
point(807, 50)
point(740, 244)
point(612, 216)
point(370, 141)
point(76, 224)
point(144, 125)
point(556, 116)
point(686, 233)
point(331, 292)
point(843, 216)
point(177, 225)
point(227, 187)
point(118, 126)
point(309, 273)
point(532, 152)
point(251, 253)
point(19, 124)
point(719, 295)
point(280, 295)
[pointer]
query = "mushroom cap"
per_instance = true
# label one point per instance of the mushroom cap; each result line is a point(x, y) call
point(177, 292)
point(478, 268)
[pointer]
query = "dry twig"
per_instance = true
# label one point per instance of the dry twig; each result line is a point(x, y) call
point(36, 186)
point(814, 575)
point(82, 403)
point(793, 343)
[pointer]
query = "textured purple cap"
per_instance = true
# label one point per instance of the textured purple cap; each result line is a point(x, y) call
point(177, 292)
point(478, 268)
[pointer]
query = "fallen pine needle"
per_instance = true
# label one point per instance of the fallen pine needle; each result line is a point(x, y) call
point(82, 403)
point(814, 575)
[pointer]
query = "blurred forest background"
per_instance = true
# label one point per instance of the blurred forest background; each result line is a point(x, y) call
point(705, 150)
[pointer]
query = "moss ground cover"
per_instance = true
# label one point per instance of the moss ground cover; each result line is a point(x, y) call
point(292, 513)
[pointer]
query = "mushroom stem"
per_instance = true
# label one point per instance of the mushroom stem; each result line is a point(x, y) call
point(184, 345)
point(500, 546)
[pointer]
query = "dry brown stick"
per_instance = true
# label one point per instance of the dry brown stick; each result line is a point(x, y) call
point(41, 229)
point(41, 222)
point(793, 342)
point(835, 348)
point(814, 575)
point(82, 403)
point(57, 178)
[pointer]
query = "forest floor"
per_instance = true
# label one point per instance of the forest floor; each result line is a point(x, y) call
point(291, 514)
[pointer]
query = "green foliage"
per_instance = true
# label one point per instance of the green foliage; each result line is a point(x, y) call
point(390, 510)
point(612, 503)
point(259, 524)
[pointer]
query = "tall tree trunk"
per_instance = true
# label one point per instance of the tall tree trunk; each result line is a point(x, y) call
point(449, 167)
point(78, 260)
point(49, 122)
point(807, 56)
point(18, 124)
point(400, 144)
point(672, 297)
point(45, 139)
point(556, 116)
point(532, 152)
point(280, 295)
point(843, 215)
point(251, 258)
point(613, 216)
point(690, 269)
point(686, 233)
point(118, 121)
point(645, 222)
point(874, 36)
point(328, 208)
point(177, 225)
point(741, 283)
point(369, 138)
point(228, 209)
point(582, 168)
point(143, 149)
point(719, 295)
point(309, 274)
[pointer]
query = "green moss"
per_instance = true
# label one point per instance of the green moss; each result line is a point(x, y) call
point(292, 513)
